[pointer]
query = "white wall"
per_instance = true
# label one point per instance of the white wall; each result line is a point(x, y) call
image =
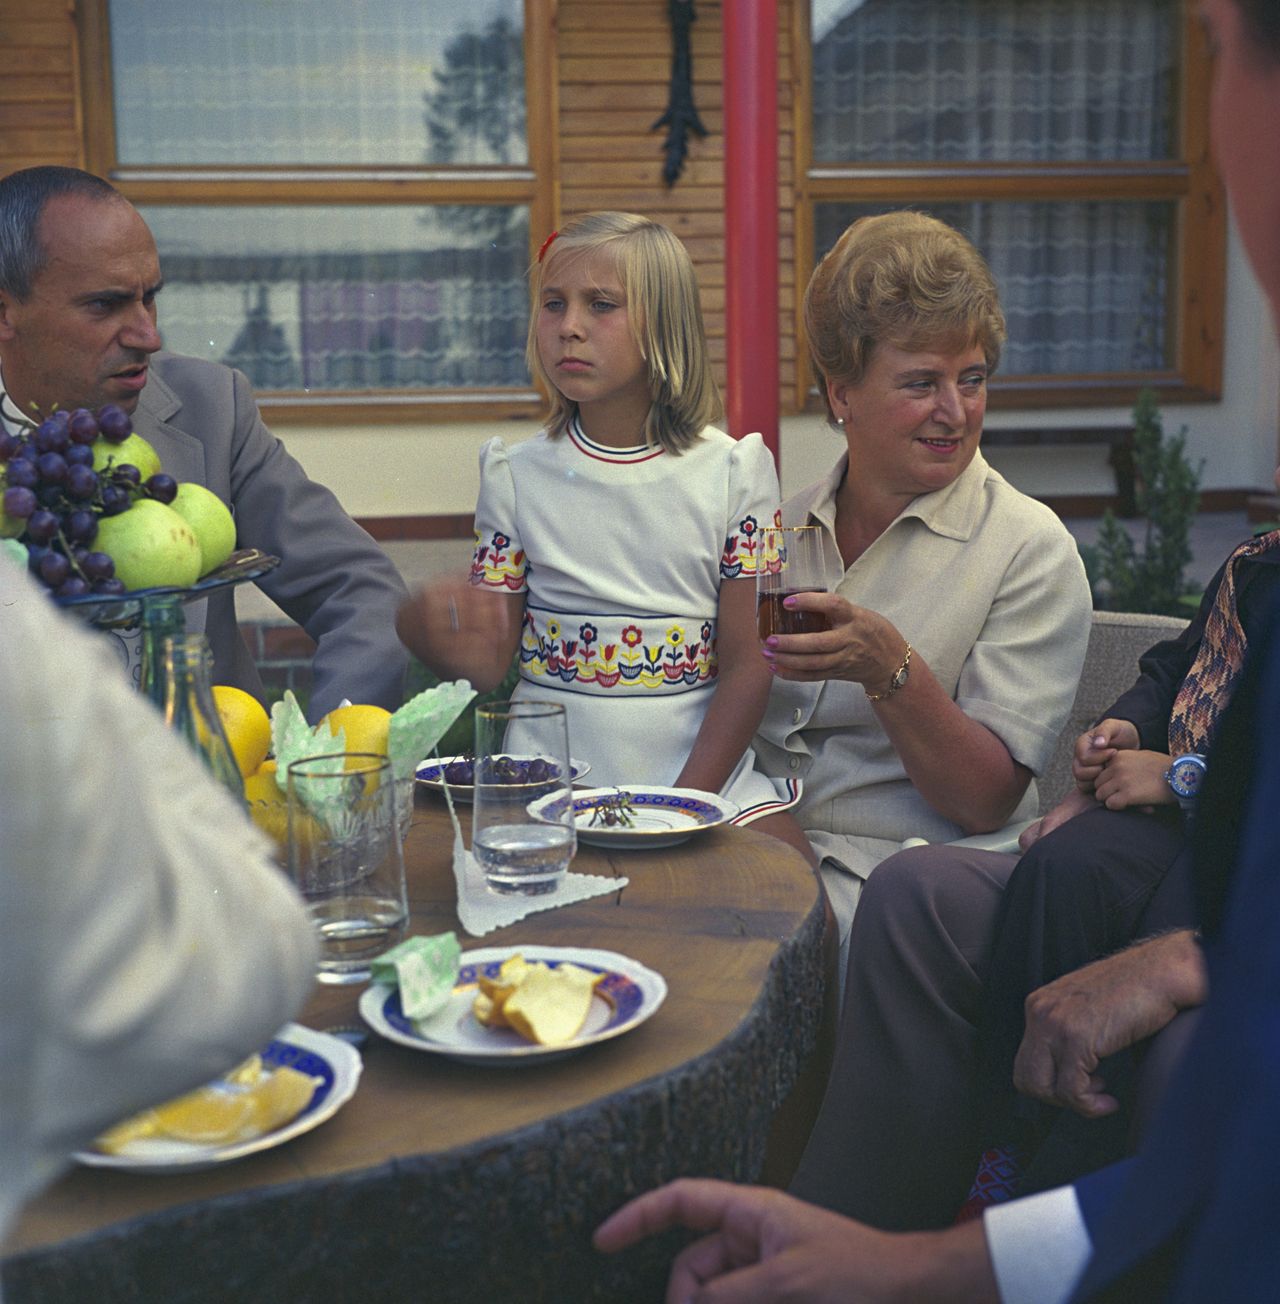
point(432, 470)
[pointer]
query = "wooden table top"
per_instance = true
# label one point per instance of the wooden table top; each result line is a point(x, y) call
point(716, 916)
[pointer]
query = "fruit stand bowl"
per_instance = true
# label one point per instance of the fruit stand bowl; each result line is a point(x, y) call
point(124, 611)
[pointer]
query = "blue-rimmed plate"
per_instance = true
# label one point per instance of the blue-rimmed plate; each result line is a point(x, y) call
point(626, 995)
point(660, 817)
point(335, 1063)
point(430, 773)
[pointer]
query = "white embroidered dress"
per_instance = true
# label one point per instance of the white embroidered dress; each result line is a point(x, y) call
point(620, 553)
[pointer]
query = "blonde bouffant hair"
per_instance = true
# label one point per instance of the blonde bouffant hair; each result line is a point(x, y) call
point(663, 311)
point(904, 279)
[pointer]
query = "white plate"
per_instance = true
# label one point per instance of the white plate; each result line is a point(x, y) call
point(660, 817)
point(337, 1063)
point(624, 998)
point(430, 773)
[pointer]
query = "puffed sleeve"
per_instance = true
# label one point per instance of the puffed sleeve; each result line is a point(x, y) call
point(753, 502)
point(498, 561)
point(1020, 677)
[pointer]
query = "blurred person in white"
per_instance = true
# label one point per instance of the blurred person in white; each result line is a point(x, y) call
point(147, 940)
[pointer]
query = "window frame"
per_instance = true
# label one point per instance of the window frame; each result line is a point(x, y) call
point(529, 184)
point(1198, 267)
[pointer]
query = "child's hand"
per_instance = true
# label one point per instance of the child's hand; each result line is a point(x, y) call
point(1133, 778)
point(1096, 746)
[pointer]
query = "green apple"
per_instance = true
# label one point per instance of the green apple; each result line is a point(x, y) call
point(151, 545)
point(210, 521)
point(135, 451)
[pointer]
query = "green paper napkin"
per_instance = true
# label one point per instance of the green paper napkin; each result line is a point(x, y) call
point(424, 969)
point(421, 722)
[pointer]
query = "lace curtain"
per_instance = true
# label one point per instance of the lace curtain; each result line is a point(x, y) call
point(348, 298)
point(375, 297)
point(1085, 285)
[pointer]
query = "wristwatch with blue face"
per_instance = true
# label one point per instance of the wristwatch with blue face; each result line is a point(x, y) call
point(1186, 777)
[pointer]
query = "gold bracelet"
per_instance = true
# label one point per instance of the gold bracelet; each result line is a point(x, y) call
point(896, 682)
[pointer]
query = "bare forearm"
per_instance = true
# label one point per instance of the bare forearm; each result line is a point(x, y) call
point(958, 765)
point(948, 1267)
point(731, 720)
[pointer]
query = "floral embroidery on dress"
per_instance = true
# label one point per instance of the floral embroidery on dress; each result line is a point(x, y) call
point(740, 558)
point(624, 659)
point(492, 566)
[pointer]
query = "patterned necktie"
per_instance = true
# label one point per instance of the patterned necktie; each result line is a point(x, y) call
point(1207, 688)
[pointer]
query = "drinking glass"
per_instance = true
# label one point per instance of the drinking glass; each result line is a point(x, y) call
point(523, 834)
point(346, 859)
point(790, 562)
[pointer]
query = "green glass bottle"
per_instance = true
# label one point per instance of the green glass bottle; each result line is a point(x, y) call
point(187, 672)
point(162, 618)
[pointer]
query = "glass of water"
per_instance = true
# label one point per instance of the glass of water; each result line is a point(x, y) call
point(523, 834)
point(346, 859)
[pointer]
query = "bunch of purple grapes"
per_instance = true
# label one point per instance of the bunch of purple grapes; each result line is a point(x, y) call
point(53, 497)
point(502, 769)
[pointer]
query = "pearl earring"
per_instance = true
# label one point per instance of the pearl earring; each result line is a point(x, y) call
point(839, 421)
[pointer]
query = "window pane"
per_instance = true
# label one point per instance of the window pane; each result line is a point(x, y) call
point(312, 82)
point(348, 298)
point(994, 80)
point(1085, 286)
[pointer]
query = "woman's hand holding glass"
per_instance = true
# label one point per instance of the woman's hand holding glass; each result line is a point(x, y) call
point(861, 646)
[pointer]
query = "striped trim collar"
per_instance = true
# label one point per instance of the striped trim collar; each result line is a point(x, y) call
point(603, 453)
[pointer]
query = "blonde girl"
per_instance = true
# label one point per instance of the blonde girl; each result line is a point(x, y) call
point(615, 551)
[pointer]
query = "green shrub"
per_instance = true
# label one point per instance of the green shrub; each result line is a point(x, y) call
point(1168, 495)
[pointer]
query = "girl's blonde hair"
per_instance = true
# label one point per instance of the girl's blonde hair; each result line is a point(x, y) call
point(904, 279)
point(663, 311)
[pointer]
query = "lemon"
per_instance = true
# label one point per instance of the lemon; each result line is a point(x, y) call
point(207, 1116)
point(135, 1128)
point(247, 725)
point(278, 1097)
point(268, 806)
point(364, 727)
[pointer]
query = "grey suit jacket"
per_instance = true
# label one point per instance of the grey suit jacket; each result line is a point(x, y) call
point(333, 579)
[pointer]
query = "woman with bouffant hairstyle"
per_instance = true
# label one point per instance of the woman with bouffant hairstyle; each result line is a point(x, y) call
point(958, 607)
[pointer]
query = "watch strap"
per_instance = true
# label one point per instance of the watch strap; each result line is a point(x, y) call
point(898, 679)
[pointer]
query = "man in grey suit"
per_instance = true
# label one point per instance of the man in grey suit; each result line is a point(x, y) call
point(79, 275)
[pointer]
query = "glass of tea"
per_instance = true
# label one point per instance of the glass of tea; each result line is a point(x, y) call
point(790, 562)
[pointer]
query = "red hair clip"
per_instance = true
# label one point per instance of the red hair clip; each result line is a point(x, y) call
point(546, 244)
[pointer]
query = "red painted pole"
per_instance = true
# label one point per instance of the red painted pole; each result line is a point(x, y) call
point(751, 216)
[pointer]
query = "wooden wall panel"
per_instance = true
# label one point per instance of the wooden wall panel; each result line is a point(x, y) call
point(40, 117)
point(614, 68)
